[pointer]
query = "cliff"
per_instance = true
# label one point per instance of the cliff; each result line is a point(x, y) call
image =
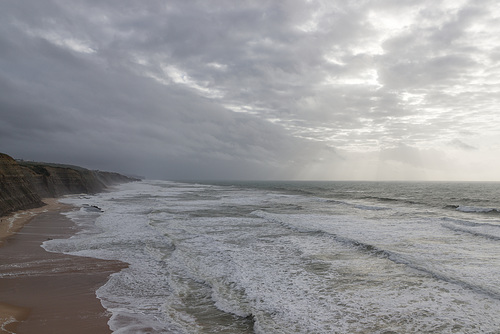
point(16, 191)
point(24, 184)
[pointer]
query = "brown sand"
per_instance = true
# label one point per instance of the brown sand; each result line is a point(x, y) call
point(14, 222)
point(49, 292)
point(10, 316)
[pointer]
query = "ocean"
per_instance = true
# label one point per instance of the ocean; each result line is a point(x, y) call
point(295, 257)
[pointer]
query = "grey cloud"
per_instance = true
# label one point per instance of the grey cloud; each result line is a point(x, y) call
point(149, 86)
point(102, 115)
point(461, 145)
point(425, 72)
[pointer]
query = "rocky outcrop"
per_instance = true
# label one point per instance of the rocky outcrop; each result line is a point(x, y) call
point(23, 184)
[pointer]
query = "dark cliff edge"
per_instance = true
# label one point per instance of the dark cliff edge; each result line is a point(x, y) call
point(24, 184)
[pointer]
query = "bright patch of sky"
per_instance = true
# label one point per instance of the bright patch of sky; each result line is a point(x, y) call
point(257, 84)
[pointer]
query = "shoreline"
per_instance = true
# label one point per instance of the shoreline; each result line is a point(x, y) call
point(43, 292)
point(14, 222)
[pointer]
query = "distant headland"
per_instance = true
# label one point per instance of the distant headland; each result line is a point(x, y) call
point(23, 184)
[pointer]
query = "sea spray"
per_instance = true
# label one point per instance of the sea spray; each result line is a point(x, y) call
point(293, 257)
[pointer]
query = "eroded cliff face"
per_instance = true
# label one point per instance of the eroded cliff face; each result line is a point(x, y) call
point(23, 184)
point(15, 189)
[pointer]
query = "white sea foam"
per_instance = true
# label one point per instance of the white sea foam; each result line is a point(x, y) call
point(238, 260)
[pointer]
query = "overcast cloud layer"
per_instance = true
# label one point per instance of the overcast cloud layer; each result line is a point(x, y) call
point(388, 89)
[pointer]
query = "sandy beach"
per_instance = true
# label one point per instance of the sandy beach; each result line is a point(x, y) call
point(12, 223)
point(42, 292)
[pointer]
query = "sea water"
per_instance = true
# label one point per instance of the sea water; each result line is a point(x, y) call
point(295, 257)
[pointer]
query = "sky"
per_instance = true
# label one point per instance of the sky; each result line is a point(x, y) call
point(259, 90)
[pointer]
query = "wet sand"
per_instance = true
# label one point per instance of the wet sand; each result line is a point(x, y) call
point(42, 292)
point(14, 222)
